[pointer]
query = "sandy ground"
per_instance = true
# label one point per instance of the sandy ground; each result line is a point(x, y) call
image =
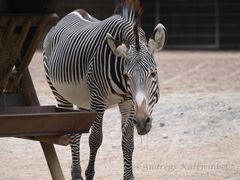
point(195, 133)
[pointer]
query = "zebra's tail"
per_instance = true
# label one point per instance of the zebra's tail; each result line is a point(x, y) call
point(46, 57)
point(47, 44)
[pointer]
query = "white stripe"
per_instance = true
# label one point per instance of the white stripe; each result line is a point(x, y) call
point(79, 15)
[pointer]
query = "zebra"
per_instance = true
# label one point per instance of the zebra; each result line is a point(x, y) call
point(95, 64)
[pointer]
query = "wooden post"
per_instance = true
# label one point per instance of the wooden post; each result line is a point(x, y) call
point(52, 161)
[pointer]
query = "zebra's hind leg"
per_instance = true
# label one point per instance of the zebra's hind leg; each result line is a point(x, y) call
point(75, 138)
point(95, 141)
point(75, 147)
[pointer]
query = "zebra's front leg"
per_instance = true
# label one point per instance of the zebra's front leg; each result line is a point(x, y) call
point(127, 111)
point(127, 148)
point(75, 147)
point(95, 141)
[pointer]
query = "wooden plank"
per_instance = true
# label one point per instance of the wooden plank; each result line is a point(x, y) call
point(8, 54)
point(33, 43)
point(52, 161)
point(28, 89)
point(11, 99)
point(24, 31)
point(28, 54)
point(29, 24)
point(35, 109)
point(40, 124)
point(59, 140)
point(26, 109)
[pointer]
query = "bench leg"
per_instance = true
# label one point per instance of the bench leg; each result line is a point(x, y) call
point(52, 161)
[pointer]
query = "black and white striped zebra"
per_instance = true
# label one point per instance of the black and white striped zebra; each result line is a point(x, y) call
point(95, 64)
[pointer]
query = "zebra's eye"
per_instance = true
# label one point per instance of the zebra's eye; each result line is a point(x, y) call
point(126, 76)
point(153, 74)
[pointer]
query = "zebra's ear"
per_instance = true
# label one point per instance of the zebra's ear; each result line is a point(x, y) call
point(118, 48)
point(158, 39)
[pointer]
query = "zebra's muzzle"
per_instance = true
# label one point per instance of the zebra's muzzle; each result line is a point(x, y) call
point(143, 125)
point(142, 132)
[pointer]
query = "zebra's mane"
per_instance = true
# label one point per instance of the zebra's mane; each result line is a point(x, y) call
point(131, 10)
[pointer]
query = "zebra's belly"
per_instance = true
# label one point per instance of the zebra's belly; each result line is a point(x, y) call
point(77, 94)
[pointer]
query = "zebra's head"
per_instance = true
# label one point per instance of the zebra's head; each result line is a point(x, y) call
point(140, 73)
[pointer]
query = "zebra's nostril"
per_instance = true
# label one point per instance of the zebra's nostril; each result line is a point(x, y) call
point(134, 121)
point(148, 120)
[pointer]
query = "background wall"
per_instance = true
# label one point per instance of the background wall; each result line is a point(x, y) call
point(191, 24)
point(197, 23)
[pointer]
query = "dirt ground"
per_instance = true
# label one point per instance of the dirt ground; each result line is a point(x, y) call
point(195, 133)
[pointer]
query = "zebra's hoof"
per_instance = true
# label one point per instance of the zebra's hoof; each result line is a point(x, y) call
point(89, 177)
point(77, 178)
point(132, 178)
point(89, 174)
